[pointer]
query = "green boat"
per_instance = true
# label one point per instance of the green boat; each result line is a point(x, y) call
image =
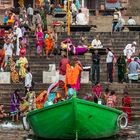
point(76, 119)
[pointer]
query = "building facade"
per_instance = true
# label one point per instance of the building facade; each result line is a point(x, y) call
point(5, 4)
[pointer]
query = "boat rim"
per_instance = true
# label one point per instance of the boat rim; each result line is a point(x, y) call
point(70, 101)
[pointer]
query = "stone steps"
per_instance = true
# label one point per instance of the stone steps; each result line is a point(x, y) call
point(116, 41)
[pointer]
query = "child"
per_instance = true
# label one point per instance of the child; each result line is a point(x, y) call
point(106, 96)
point(126, 103)
point(5, 20)
point(71, 92)
point(24, 107)
point(2, 112)
point(97, 92)
point(111, 101)
point(31, 98)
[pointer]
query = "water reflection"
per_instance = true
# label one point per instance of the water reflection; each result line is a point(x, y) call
point(9, 131)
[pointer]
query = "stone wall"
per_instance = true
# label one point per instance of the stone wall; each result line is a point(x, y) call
point(133, 8)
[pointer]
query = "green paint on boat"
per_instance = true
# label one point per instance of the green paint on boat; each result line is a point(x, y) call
point(74, 119)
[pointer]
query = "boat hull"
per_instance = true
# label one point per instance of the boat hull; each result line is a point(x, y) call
point(74, 119)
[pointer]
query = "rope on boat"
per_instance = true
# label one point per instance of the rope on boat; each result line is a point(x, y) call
point(76, 137)
point(25, 123)
point(122, 118)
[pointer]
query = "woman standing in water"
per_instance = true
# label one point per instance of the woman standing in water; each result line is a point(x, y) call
point(15, 102)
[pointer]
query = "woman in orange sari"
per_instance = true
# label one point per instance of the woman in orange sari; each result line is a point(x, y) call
point(41, 99)
point(48, 44)
point(73, 74)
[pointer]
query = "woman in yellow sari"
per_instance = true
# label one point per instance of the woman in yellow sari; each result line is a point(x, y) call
point(13, 72)
point(22, 64)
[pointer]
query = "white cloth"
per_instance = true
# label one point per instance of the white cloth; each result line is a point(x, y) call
point(96, 44)
point(129, 50)
point(109, 58)
point(131, 22)
point(18, 34)
point(28, 80)
point(73, 7)
point(8, 49)
point(81, 19)
point(30, 11)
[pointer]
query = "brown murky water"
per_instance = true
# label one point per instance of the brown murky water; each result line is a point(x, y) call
point(9, 131)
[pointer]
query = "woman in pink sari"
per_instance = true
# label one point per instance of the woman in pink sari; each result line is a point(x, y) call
point(40, 39)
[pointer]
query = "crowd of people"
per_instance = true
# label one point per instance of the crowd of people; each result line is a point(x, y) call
point(69, 70)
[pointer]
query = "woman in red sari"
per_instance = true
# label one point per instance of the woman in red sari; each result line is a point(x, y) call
point(2, 59)
point(126, 103)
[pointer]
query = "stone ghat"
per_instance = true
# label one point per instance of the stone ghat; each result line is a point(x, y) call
point(117, 41)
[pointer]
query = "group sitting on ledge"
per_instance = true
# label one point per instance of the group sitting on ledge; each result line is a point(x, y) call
point(82, 48)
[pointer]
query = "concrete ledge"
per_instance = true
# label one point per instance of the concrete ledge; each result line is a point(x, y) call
point(5, 78)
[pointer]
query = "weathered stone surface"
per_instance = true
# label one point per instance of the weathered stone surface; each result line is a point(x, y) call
point(52, 67)
point(4, 77)
point(85, 77)
point(50, 77)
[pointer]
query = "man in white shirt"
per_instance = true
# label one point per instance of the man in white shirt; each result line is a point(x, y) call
point(109, 61)
point(18, 34)
point(96, 43)
point(28, 79)
point(30, 13)
point(81, 18)
point(130, 50)
point(131, 21)
point(8, 47)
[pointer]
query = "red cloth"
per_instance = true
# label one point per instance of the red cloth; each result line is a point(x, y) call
point(62, 66)
point(2, 58)
point(126, 102)
point(23, 51)
point(111, 1)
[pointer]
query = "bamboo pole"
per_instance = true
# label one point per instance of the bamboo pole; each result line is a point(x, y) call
point(69, 17)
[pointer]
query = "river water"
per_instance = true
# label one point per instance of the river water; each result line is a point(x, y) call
point(9, 131)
